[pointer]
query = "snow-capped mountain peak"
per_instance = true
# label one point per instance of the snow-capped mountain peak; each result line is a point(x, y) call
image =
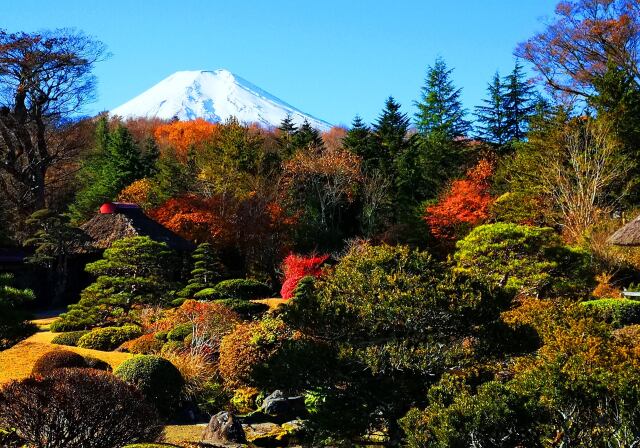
point(214, 96)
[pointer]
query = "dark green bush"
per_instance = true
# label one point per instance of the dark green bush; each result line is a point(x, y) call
point(617, 312)
point(109, 338)
point(69, 338)
point(57, 359)
point(245, 308)
point(158, 380)
point(180, 332)
point(98, 364)
point(238, 288)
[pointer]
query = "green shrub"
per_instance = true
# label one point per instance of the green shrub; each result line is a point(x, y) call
point(158, 380)
point(238, 288)
point(161, 335)
point(109, 338)
point(180, 332)
point(57, 359)
point(69, 338)
point(245, 308)
point(212, 398)
point(618, 312)
point(523, 259)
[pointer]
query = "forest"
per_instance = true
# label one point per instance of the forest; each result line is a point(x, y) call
point(453, 278)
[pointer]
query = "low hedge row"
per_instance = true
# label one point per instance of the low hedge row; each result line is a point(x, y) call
point(618, 312)
point(109, 338)
point(239, 288)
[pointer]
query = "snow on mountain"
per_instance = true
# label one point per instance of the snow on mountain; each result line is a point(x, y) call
point(213, 96)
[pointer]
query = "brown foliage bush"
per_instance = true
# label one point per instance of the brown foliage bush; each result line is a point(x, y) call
point(77, 408)
point(57, 359)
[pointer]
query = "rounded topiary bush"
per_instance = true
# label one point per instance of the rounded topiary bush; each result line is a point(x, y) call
point(180, 332)
point(69, 338)
point(57, 359)
point(158, 380)
point(109, 338)
point(98, 364)
point(238, 288)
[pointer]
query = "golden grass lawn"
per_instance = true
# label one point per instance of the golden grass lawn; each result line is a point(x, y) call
point(17, 362)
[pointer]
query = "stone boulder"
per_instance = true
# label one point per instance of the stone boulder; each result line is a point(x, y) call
point(283, 407)
point(224, 427)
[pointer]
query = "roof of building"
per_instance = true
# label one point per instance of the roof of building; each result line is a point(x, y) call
point(628, 235)
point(116, 221)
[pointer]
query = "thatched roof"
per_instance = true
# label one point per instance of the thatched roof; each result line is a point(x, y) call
point(628, 235)
point(116, 221)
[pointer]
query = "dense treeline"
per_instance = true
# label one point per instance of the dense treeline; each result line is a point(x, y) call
point(448, 280)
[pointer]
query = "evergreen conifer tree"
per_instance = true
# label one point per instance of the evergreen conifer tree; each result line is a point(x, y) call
point(389, 138)
point(440, 110)
point(358, 140)
point(492, 116)
point(114, 164)
point(286, 132)
point(132, 272)
point(519, 104)
point(307, 136)
point(207, 270)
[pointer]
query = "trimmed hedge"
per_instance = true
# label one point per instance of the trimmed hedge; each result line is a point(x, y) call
point(180, 332)
point(239, 288)
point(245, 308)
point(617, 312)
point(109, 338)
point(69, 338)
point(58, 359)
point(157, 379)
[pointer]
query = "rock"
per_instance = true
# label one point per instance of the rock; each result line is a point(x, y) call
point(222, 428)
point(279, 405)
point(267, 435)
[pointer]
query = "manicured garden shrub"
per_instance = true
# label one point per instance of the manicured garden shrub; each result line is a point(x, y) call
point(245, 308)
point(238, 288)
point(523, 259)
point(69, 338)
point(77, 408)
point(109, 338)
point(147, 344)
point(13, 320)
point(78, 318)
point(57, 359)
point(180, 332)
point(617, 312)
point(158, 380)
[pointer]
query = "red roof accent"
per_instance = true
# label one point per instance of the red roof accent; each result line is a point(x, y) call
point(114, 207)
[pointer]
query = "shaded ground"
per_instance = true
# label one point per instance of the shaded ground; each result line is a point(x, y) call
point(17, 362)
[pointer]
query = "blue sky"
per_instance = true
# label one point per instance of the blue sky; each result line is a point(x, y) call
point(331, 59)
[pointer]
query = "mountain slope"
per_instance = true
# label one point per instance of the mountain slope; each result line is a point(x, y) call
point(213, 96)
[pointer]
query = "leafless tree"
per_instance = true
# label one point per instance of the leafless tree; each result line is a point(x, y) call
point(45, 80)
point(581, 178)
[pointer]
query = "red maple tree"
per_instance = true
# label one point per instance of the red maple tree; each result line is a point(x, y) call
point(465, 204)
point(296, 267)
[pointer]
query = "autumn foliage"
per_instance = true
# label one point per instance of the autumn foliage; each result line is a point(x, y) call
point(183, 135)
point(296, 267)
point(465, 204)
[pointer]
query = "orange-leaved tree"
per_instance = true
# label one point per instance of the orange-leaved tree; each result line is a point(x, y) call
point(184, 135)
point(464, 205)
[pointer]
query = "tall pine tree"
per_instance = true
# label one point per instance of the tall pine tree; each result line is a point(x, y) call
point(286, 132)
point(307, 137)
point(492, 116)
point(389, 138)
point(207, 271)
point(115, 162)
point(519, 103)
point(440, 109)
point(358, 140)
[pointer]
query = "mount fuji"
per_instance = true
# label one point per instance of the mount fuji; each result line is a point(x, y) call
point(213, 96)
